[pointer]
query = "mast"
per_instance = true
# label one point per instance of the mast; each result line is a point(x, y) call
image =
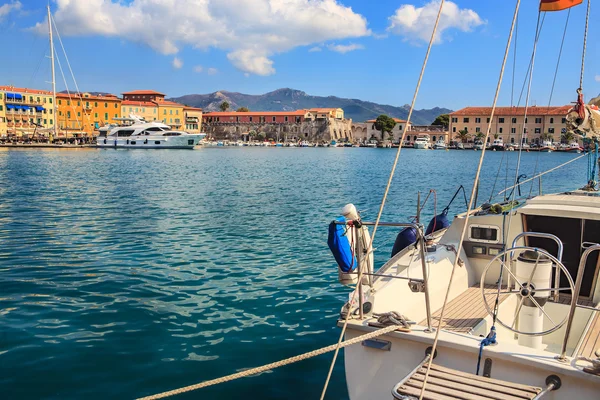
point(54, 107)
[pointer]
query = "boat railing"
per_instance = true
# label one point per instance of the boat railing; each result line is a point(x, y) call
point(575, 298)
point(422, 284)
point(559, 254)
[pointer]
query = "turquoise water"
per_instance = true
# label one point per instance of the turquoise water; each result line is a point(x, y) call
point(125, 273)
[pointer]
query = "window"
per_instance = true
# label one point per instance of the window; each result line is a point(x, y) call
point(68, 114)
point(482, 233)
point(453, 129)
point(38, 99)
point(95, 104)
point(165, 112)
point(78, 114)
point(116, 115)
point(477, 120)
point(513, 130)
point(87, 103)
point(105, 105)
point(170, 112)
point(466, 120)
point(477, 129)
point(538, 120)
point(51, 111)
point(250, 119)
point(550, 130)
point(106, 116)
point(551, 120)
point(78, 103)
point(176, 112)
point(501, 120)
point(512, 139)
point(157, 142)
point(286, 119)
point(488, 120)
point(116, 105)
point(538, 130)
point(514, 121)
point(454, 119)
point(273, 119)
point(130, 109)
point(51, 121)
point(564, 120)
point(526, 120)
point(499, 130)
point(1, 107)
point(50, 103)
point(60, 113)
point(95, 115)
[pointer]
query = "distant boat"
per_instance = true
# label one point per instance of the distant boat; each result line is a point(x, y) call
point(574, 148)
point(422, 142)
point(497, 145)
point(547, 147)
point(440, 145)
point(478, 145)
point(146, 135)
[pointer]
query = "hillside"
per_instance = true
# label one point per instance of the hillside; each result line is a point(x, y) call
point(290, 99)
point(595, 101)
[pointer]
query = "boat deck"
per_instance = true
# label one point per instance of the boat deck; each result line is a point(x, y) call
point(450, 384)
point(591, 340)
point(467, 310)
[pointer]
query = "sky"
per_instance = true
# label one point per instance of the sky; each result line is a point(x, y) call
point(364, 49)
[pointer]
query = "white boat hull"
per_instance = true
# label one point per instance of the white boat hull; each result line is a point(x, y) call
point(421, 146)
point(151, 142)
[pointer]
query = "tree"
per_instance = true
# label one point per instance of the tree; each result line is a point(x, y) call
point(480, 136)
point(496, 135)
point(546, 136)
point(224, 106)
point(242, 109)
point(442, 120)
point(384, 124)
point(567, 137)
point(463, 135)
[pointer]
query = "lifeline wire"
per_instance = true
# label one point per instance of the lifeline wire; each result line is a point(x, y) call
point(475, 183)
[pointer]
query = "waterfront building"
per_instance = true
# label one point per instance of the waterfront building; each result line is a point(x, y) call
point(25, 112)
point(82, 114)
point(313, 125)
point(152, 106)
point(509, 122)
point(373, 133)
point(193, 119)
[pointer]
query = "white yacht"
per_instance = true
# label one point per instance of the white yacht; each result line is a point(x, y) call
point(478, 145)
point(440, 144)
point(497, 145)
point(139, 134)
point(423, 142)
point(547, 146)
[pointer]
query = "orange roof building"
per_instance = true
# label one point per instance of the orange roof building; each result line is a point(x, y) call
point(81, 114)
point(23, 111)
point(510, 122)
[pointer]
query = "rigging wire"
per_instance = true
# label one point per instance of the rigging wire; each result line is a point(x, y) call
point(389, 183)
point(70, 99)
point(467, 215)
point(585, 35)
point(537, 159)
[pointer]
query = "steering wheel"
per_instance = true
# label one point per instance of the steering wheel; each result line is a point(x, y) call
point(525, 289)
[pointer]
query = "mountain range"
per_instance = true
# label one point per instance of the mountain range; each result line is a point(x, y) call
point(291, 99)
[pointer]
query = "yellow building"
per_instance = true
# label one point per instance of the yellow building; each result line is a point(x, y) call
point(193, 119)
point(145, 109)
point(171, 113)
point(80, 115)
point(25, 112)
point(327, 113)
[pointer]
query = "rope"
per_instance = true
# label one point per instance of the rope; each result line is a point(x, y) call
point(475, 184)
point(392, 172)
point(585, 35)
point(543, 173)
point(274, 365)
point(490, 339)
point(537, 159)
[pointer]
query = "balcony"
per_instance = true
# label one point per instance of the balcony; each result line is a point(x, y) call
point(191, 119)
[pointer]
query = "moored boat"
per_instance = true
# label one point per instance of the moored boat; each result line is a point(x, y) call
point(423, 142)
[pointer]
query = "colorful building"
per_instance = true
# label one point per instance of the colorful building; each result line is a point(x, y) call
point(510, 122)
point(82, 114)
point(193, 119)
point(25, 112)
point(327, 113)
point(152, 106)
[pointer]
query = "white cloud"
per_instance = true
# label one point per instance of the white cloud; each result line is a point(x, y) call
point(345, 48)
point(315, 49)
point(250, 31)
point(597, 78)
point(212, 71)
point(416, 24)
point(177, 63)
point(6, 9)
point(198, 69)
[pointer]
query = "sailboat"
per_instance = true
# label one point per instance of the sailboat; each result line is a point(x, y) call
point(502, 302)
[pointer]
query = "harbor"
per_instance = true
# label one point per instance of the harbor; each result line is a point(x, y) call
point(163, 238)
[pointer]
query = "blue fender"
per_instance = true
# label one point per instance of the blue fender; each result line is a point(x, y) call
point(340, 246)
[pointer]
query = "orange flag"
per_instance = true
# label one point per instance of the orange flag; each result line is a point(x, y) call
point(557, 5)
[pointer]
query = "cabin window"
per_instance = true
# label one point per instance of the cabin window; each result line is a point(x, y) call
point(484, 233)
point(191, 142)
point(157, 142)
point(125, 132)
point(133, 142)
